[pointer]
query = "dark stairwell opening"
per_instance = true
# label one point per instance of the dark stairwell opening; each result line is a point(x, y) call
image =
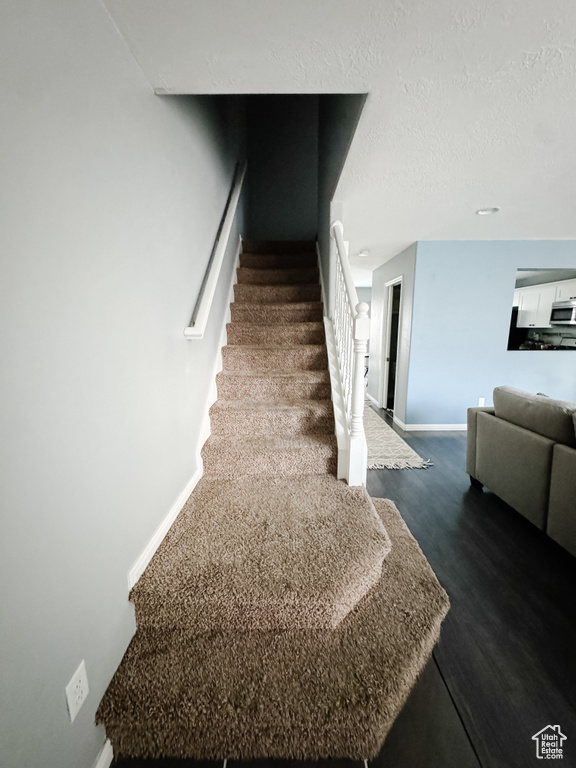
point(296, 148)
point(282, 177)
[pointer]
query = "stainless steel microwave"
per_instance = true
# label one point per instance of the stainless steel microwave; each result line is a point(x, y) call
point(563, 313)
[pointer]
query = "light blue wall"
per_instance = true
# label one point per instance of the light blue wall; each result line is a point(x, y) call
point(461, 314)
point(401, 267)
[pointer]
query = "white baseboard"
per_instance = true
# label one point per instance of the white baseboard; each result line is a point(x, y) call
point(421, 427)
point(205, 431)
point(104, 759)
point(147, 554)
point(430, 427)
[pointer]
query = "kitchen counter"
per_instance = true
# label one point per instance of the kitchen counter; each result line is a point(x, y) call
point(539, 345)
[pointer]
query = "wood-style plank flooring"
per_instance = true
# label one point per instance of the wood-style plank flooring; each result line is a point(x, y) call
point(505, 665)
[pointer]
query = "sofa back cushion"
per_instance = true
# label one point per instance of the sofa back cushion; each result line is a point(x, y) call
point(554, 419)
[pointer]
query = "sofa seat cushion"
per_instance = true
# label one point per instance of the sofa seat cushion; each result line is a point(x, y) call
point(554, 419)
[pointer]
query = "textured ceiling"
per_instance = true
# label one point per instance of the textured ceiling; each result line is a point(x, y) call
point(471, 104)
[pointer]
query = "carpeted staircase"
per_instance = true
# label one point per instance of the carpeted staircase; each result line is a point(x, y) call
point(274, 415)
point(278, 618)
point(268, 521)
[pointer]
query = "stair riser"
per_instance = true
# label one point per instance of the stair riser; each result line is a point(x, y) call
point(285, 422)
point(282, 247)
point(277, 276)
point(273, 294)
point(276, 313)
point(231, 387)
point(278, 260)
point(223, 612)
point(277, 464)
point(252, 359)
point(272, 334)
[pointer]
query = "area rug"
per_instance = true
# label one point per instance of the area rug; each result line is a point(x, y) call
point(296, 694)
point(386, 449)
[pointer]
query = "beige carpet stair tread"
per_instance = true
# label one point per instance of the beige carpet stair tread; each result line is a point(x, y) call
point(272, 443)
point(303, 385)
point(277, 312)
point(284, 276)
point(272, 294)
point(277, 404)
point(264, 554)
point(271, 417)
point(233, 457)
point(276, 333)
point(294, 694)
point(273, 358)
point(278, 260)
point(283, 247)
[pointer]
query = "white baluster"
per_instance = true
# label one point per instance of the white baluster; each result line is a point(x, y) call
point(358, 449)
point(349, 360)
point(351, 326)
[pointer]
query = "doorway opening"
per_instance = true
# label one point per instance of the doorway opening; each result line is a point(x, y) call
point(391, 354)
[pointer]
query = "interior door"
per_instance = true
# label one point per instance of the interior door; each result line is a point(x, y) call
point(394, 298)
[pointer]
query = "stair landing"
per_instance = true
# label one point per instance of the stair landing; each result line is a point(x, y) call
point(265, 554)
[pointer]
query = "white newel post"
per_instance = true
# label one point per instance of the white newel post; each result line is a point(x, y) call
point(358, 456)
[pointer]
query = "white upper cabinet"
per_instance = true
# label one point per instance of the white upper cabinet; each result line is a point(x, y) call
point(535, 302)
point(535, 305)
point(565, 289)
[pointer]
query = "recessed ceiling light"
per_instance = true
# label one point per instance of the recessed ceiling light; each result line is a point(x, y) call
point(487, 211)
point(364, 253)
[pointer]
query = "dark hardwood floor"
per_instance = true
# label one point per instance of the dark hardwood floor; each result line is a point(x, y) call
point(507, 652)
point(505, 665)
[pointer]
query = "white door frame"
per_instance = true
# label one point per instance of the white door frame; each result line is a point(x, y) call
point(386, 342)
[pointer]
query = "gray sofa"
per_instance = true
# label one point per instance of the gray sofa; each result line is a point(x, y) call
point(524, 450)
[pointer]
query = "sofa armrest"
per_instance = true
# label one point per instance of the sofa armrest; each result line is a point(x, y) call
point(561, 525)
point(472, 432)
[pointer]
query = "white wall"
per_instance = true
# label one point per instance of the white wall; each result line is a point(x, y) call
point(364, 294)
point(402, 266)
point(110, 201)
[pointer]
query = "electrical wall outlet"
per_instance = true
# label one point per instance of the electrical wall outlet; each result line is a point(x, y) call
point(77, 690)
point(481, 401)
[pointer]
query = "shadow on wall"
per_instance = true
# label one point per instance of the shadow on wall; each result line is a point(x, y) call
point(282, 179)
